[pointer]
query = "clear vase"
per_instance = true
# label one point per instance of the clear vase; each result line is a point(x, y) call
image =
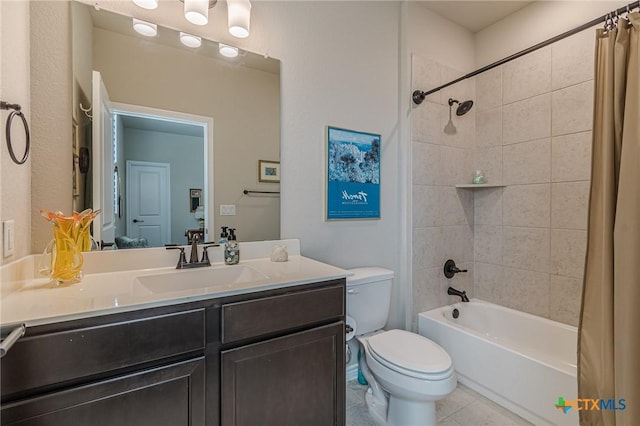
point(478, 178)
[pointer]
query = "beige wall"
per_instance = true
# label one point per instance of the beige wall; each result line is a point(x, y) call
point(436, 38)
point(15, 180)
point(534, 135)
point(51, 93)
point(442, 217)
point(243, 102)
point(535, 23)
point(534, 125)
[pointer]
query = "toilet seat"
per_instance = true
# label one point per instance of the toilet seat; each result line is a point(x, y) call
point(410, 354)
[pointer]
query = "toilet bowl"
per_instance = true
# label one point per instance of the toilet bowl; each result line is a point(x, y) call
point(413, 372)
point(407, 373)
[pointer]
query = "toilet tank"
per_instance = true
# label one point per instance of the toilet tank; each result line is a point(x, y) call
point(369, 298)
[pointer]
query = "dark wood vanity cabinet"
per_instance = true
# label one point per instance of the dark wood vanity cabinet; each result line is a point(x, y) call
point(291, 380)
point(171, 395)
point(283, 360)
point(139, 368)
point(270, 358)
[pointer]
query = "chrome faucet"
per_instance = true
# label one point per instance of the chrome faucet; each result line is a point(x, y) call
point(193, 258)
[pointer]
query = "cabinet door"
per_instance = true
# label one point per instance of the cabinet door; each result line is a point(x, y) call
point(172, 395)
point(297, 379)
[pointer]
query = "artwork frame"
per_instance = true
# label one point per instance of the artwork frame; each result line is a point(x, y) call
point(352, 182)
point(268, 171)
point(195, 199)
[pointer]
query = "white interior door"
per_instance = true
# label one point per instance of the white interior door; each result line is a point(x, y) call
point(104, 228)
point(149, 202)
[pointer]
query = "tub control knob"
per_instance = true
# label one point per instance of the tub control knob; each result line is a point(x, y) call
point(450, 269)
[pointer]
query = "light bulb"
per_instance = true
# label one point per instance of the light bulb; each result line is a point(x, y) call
point(197, 11)
point(190, 40)
point(145, 28)
point(228, 51)
point(239, 13)
point(147, 4)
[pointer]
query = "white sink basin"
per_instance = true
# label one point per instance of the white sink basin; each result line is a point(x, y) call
point(203, 278)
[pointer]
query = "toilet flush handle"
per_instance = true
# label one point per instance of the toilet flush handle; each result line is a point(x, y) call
point(352, 291)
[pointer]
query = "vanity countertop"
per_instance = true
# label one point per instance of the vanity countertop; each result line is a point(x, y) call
point(37, 301)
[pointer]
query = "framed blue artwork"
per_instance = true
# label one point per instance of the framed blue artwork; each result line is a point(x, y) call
point(353, 175)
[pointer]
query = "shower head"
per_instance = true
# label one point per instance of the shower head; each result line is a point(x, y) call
point(463, 107)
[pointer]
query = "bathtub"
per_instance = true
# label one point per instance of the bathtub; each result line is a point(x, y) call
point(520, 361)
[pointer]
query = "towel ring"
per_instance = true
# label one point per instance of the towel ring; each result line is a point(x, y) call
point(16, 111)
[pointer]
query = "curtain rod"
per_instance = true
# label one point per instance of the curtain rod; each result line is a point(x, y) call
point(249, 192)
point(419, 96)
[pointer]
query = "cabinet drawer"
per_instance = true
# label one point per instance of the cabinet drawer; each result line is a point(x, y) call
point(254, 318)
point(54, 358)
point(170, 395)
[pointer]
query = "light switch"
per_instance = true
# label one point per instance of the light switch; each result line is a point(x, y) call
point(8, 238)
point(227, 209)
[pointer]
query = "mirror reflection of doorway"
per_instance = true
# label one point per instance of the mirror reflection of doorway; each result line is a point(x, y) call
point(163, 159)
point(149, 202)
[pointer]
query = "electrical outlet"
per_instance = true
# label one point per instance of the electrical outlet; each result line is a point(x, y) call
point(227, 209)
point(8, 238)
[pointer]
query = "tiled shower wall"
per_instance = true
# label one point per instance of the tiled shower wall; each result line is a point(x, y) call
point(533, 133)
point(442, 215)
point(530, 130)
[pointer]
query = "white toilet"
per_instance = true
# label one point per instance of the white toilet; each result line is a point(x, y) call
point(407, 373)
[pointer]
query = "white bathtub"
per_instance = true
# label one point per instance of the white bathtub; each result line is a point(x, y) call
point(521, 361)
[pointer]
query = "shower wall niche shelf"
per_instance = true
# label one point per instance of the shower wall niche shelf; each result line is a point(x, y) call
point(478, 185)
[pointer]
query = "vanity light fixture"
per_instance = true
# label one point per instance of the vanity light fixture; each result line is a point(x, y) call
point(197, 11)
point(145, 28)
point(227, 51)
point(190, 40)
point(239, 14)
point(147, 4)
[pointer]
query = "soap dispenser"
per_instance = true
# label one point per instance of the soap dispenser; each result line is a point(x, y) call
point(231, 249)
point(223, 236)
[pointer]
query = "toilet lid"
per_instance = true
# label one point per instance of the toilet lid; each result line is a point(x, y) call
point(410, 353)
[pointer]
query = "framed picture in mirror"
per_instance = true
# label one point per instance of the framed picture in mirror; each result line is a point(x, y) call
point(195, 199)
point(268, 171)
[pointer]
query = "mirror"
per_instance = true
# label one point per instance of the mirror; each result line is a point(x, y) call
point(163, 97)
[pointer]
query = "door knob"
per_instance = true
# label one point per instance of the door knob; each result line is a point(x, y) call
point(137, 221)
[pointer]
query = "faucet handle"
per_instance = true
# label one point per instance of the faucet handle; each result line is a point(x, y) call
point(450, 269)
point(182, 261)
point(205, 254)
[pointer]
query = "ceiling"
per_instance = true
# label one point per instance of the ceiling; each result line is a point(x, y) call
point(161, 126)
point(474, 15)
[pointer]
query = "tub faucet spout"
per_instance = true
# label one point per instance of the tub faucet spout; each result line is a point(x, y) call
point(463, 294)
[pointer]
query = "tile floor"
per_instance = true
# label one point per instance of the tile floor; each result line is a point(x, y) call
point(464, 407)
